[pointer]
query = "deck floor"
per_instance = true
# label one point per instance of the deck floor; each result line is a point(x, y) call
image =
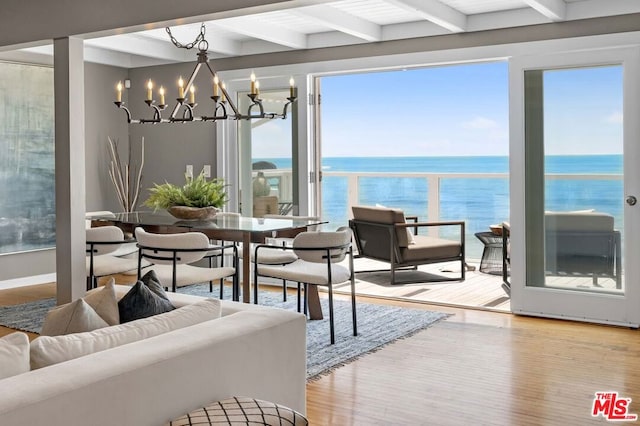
point(478, 290)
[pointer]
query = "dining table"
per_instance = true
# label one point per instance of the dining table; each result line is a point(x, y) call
point(242, 229)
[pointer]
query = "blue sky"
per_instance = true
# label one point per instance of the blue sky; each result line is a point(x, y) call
point(463, 110)
point(455, 110)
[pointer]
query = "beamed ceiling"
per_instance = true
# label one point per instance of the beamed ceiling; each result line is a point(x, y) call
point(340, 23)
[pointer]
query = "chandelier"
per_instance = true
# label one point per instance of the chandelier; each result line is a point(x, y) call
point(222, 106)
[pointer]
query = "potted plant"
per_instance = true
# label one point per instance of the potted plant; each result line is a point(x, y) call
point(198, 198)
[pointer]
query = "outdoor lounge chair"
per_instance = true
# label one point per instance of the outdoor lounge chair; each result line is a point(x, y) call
point(383, 234)
point(577, 244)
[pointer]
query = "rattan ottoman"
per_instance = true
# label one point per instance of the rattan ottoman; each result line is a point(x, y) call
point(237, 411)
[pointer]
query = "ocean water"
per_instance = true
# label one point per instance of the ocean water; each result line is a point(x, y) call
point(480, 202)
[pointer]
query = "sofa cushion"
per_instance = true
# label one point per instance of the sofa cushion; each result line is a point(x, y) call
point(150, 279)
point(103, 300)
point(48, 350)
point(142, 302)
point(14, 354)
point(74, 317)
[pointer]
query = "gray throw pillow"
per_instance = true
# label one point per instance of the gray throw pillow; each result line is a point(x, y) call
point(141, 302)
point(150, 279)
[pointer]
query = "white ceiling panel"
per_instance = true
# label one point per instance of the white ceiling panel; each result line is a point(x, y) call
point(343, 22)
point(474, 7)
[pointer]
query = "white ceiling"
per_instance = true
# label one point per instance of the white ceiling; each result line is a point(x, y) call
point(343, 22)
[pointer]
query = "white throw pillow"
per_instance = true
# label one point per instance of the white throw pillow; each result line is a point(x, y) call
point(48, 350)
point(14, 354)
point(74, 317)
point(103, 300)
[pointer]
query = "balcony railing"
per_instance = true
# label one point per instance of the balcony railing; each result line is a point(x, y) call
point(481, 199)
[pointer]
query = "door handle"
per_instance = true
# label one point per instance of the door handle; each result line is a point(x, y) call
point(631, 200)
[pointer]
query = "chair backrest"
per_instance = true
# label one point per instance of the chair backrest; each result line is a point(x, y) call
point(265, 205)
point(87, 221)
point(381, 215)
point(101, 239)
point(578, 221)
point(160, 247)
point(579, 233)
point(322, 240)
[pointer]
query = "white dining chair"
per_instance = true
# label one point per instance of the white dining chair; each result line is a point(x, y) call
point(172, 257)
point(102, 243)
point(319, 256)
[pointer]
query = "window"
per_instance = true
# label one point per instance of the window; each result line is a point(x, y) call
point(27, 206)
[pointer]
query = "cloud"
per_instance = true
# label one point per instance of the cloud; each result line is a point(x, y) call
point(480, 123)
point(614, 117)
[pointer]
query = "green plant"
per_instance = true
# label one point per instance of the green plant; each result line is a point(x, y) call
point(196, 192)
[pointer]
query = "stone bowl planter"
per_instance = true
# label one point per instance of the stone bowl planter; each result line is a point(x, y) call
point(193, 213)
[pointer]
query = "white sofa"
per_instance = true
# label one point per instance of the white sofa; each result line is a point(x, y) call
point(251, 350)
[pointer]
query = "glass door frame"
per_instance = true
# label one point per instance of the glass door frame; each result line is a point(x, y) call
point(227, 137)
point(557, 303)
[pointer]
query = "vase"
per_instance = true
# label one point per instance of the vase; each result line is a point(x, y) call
point(193, 213)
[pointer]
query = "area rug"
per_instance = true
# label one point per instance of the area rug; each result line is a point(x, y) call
point(378, 325)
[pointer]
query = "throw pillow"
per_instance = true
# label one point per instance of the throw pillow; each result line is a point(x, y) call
point(74, 317)
point(141, 302)
point(14, 354)
point(150, 279)
point(103, 300)
point(48, 350)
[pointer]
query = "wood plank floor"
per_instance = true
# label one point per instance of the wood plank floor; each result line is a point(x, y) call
point(478, 290)
point(475, 368)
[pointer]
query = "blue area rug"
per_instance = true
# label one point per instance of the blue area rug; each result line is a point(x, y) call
point(378, 325)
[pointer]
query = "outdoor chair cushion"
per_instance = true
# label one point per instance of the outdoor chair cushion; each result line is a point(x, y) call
point(425, 247)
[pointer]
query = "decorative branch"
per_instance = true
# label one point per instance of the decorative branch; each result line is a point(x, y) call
point(122, 175)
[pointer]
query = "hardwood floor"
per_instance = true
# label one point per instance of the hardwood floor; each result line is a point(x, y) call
point(474, 368)
point(483, 368)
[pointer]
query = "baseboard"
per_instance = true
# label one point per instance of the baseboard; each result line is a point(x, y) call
point(25, 281)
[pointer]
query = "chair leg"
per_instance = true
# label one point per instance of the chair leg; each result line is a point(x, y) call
point(333, 338)
point(306, 302)
point(221, 288)
point(353, 306)
point(284, 291)
point(210, 282)
point(298, 297)
point(255, 288)
point(90, 281)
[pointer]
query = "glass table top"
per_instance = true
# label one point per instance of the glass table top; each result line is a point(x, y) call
point(224, 222)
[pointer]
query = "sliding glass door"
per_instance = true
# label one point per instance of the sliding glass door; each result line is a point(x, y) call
point(574, 186)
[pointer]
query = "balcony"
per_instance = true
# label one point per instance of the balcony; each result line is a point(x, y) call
point(481, 199)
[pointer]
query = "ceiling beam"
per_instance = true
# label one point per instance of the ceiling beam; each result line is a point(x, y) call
point(556, 10)
point(436, 12)
point(256, 28)
point(143, 46)
point(341, 21)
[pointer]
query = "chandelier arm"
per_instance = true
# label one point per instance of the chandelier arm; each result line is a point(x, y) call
point(255, 101)
point(235, 110)
point(186, 88)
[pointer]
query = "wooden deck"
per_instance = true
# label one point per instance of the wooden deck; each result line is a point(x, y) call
point(478, 290)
